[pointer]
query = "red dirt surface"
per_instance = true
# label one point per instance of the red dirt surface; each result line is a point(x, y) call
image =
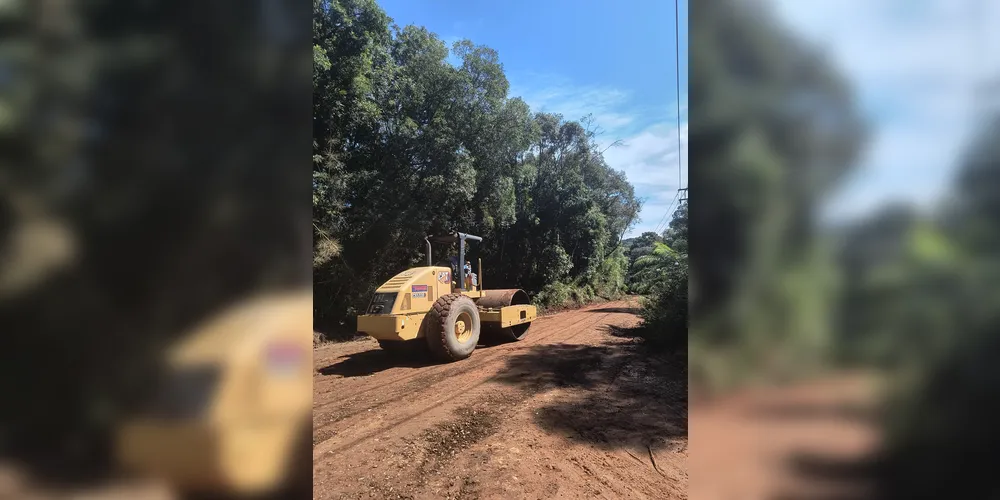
point(575, 410)
point(785, 442)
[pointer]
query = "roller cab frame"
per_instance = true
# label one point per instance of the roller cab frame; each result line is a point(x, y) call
point(443, 306)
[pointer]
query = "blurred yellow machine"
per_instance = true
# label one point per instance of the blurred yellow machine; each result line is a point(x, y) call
point(426, 302)
point(234, 417)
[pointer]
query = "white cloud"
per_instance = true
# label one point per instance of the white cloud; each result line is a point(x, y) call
point(903, 165)
point(648, 155)
point(555, 95)
point(649, 160)
point(657, 212)
point(915, 66)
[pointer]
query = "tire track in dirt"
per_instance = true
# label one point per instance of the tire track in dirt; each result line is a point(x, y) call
point(438, 371)
point(536, 427)
point(427, 460)
point(531, 340)
point(335, 381)
point(435, 373)
point(442, 405)
point(416, 390)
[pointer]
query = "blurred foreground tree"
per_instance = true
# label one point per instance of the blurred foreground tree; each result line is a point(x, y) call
point(942, 413)
point(776, 129)
point(149, 181)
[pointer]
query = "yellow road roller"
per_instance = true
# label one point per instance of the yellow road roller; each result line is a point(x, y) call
point(446, 306)
point(233, 416)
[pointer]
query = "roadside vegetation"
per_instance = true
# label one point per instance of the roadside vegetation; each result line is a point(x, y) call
point(908, 293)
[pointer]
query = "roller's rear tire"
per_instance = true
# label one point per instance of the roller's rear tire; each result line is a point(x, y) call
point(453, 327)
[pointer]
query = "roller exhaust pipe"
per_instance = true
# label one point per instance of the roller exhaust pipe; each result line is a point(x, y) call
point(430, 261)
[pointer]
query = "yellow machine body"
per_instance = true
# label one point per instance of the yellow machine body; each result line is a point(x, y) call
point(235, 413)
point(400, 305)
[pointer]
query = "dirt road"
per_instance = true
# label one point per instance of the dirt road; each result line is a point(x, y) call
point(572, 411)
point(805, 440)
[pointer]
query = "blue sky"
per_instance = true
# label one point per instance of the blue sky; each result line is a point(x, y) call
point(914, 65)
point(615, 60)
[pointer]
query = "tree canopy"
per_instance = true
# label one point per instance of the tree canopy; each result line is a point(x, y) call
point(407, 144)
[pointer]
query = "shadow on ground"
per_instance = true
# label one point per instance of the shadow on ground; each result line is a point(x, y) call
point(623, 333)
point(624, 310)
point(942, 458)
point(376, 360)
point(799, 411)
point(843, 478)
point(855, 478)
point(655, 341)
point(945, 461)
point(620, 394)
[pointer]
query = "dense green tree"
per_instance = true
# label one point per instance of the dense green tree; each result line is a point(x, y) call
point(676, 234)
point(637, 248)
point(776, 129)
point(643, 244)
point(150, 182)
point(407, 144)
point(661, 276)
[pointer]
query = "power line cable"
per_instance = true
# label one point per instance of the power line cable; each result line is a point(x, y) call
point(662, 220)
point(677, 74)
point(677, 88)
